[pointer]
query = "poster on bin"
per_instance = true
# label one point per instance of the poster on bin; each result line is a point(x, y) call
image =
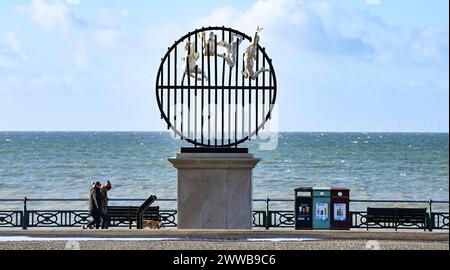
point(303, 212)
point(322, 211)
point(340, 212)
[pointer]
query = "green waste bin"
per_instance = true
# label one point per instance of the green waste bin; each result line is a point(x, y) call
point(321, 208)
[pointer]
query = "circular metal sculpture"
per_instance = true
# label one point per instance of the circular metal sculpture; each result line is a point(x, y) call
point(216, 87)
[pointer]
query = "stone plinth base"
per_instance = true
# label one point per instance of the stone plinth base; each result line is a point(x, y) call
point(214, 190)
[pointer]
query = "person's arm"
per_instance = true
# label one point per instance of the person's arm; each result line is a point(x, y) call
point(94, 197)
point(254, 42)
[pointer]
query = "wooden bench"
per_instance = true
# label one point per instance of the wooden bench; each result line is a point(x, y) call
point(394, 217)
point(136, 214)
point(122, 214)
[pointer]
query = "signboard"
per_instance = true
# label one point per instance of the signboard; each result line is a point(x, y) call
point(322, 211)
point(340, 212)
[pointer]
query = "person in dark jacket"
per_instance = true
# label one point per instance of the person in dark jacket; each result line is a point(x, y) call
point(95, 206)
point(104, 209)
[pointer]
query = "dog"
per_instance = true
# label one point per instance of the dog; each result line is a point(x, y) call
point(152, 224)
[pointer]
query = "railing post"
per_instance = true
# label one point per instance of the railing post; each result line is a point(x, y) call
point(25, 216)
point(129, 216)
point(431, 218)
point(267, 214)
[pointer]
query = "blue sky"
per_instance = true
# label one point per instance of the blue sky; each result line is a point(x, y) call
point(356, 65)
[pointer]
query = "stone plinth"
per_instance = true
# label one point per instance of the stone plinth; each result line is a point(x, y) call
point(214, 190)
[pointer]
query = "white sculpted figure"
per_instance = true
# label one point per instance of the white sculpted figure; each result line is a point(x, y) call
point(250, 58)
point(190, 58)
point(230, 54)
point(208, 45)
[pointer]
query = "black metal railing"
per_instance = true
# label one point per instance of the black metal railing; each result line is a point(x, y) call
point(267, 218)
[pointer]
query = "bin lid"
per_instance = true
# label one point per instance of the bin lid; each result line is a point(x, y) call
point(322, 188)
point(340, 192)
point(340, 188)
point(319, 192)
point(303, 189)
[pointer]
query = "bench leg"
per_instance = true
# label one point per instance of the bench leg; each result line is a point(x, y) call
point(139, 221)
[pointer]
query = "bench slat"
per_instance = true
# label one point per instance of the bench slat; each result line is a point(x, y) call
point(124, 212)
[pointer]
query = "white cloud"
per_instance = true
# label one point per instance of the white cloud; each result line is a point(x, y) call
point(157, 39)
point(107, 38)
point(47, 15)
point(13, 53)
point(12, 41)
point(300, 26)
point(268, 13)
point(73, 2)
point(429, 45)
point(427, 42)
point(108, 18)
point(125, 13)
point(292, 26)
point(373, 2)
point(8, 63)
point(81, 60)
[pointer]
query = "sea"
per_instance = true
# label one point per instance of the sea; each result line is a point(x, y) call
point(398, 166)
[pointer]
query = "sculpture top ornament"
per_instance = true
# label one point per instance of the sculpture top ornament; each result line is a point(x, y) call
point(216, 100)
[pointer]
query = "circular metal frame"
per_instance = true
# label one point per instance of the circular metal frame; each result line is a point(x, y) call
point(236, 142)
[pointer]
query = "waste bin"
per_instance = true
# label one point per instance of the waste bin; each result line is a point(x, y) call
point(303, 208)
point(321, 208)
point(340, 209)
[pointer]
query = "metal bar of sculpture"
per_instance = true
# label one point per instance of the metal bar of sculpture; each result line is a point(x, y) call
point(182, 107)
point(168, 91)
point(175, 90)
point(203, 98)
point(209, 94)
point(257, 94)
point(215, 91)
point(243, 102)
point(223, 94)
point(264, 93)
point(161, 77)
point(236, 96)
point(269, 113)
point(192, 49)
point(195, 109)
point(195, 94)
point(249, 109)
point(229, 94)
